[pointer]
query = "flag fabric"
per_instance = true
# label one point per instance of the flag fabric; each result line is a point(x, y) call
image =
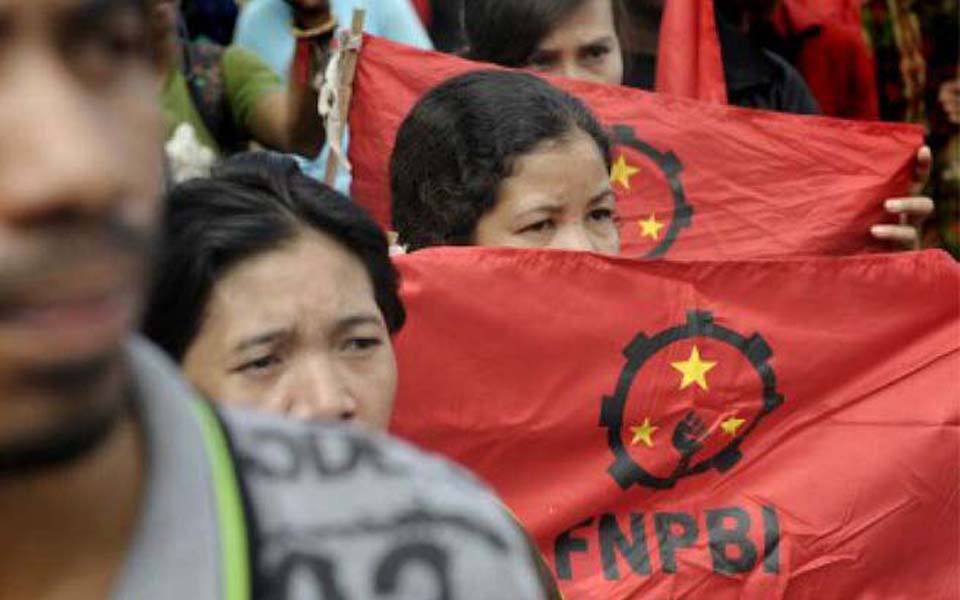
point(846, 12)
point(689, 60)
point(694, 180)
point(742, 429)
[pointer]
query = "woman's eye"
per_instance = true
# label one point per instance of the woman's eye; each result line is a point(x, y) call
point(539, 61)
point(538, 227)
point(259, 365)
point(596, 51)
point(602, 214)
point(360, 344)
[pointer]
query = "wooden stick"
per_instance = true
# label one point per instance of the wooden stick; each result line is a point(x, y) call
point(348, 69)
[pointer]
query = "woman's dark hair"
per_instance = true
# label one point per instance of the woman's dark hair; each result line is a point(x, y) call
point(252, 203)
point(459, 142)
point(508, 32)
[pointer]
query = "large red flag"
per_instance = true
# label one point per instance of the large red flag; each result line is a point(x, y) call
point(694, 180)
point(759, 429)
point(689, 60)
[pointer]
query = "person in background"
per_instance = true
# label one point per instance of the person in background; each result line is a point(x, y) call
point(228, 97)
point(831, 56)
point(273, 291)
point(266, 27)
point(947, 177)
point(616, 42)
point(213, 20)
point(275, 29)
point(498, 158)
point(116, 481)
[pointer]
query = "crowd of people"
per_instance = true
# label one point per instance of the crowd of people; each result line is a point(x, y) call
point(162, 171)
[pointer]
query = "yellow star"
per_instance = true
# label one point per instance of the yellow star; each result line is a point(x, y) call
point(622, 171)
point(731, 425)
point(643, 433)
point(694, 370)
point(651, 227)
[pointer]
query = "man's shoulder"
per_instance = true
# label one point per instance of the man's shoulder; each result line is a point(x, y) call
point(790, 89)
point(355, 510)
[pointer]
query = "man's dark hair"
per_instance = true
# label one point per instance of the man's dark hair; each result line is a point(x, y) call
point(252, 203)
point(507, 32)
point(459, 142)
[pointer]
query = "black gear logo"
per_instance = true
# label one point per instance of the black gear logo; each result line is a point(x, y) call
point(700, 324)
point(671, 167)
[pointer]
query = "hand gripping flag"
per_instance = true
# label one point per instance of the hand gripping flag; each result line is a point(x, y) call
point(694, 180)
point(759, 429)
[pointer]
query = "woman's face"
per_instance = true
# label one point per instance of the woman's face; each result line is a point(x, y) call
point(583, 46)
point(296, 330)
point(557, 196)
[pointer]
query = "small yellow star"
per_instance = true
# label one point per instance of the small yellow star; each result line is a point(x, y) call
point(694, 370)
point(622, 171)
point(643, 433)
point(731, 425)
point(651, 227)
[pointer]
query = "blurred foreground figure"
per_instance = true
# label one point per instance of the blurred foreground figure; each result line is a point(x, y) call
point(115, 481)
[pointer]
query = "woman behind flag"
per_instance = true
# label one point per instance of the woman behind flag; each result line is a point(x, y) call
point(495, 158)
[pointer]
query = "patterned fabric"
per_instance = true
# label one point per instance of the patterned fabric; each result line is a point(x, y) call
point(894, 32)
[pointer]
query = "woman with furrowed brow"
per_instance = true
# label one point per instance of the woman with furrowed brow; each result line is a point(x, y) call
point(274, 291)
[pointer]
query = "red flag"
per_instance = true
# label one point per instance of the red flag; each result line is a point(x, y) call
point(689, 61)
point(759, 429)
point(694, 180)
point(846, 12)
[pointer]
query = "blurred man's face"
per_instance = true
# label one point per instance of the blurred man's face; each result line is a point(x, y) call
point(80, 156)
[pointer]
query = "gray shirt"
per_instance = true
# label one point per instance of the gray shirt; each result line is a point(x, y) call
point(333, 512)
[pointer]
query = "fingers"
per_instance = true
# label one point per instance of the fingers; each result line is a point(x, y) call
point(915, 207)
point(906, 236)
point(921, 173)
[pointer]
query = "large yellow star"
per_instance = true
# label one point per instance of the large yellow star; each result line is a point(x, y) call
point(651, 227)
point(622, 171)
point(731, 425)
point(643, 433)
point(694, 370)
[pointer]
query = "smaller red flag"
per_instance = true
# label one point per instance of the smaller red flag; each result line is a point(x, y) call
point(693, 180)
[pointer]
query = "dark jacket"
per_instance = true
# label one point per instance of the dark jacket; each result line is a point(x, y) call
point(757, 78)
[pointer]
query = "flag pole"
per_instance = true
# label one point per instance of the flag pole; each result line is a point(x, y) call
point(349, 53)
